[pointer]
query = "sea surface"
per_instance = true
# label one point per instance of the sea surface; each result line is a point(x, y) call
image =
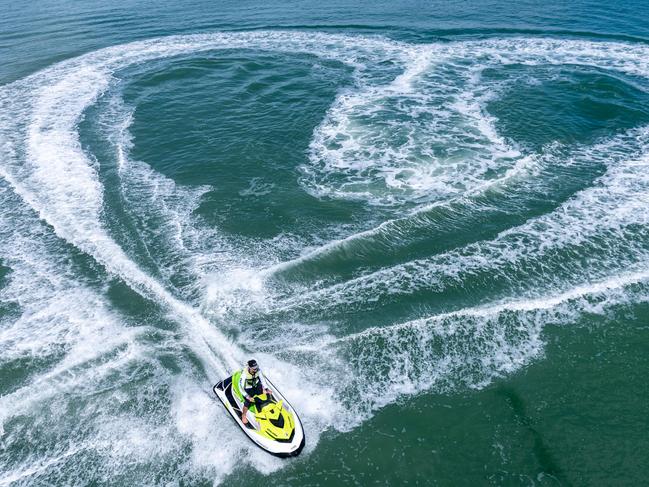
point(428, 221)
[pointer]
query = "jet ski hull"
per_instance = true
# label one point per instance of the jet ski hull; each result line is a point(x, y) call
point(283, 448)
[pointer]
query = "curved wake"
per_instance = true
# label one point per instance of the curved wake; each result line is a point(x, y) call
point(411, 140)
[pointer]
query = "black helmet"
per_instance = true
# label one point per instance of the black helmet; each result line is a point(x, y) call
point(253, 364)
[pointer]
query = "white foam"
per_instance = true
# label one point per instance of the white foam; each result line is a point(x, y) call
point(163, 210)
point(60, 320)
point(60, 182)
point(465, 348)
point(613, 204)
point(374, 145)
point(36, 467)
point(421, 138)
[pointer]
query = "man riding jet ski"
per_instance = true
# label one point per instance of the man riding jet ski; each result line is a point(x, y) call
point(266, 417)
point(251, 382)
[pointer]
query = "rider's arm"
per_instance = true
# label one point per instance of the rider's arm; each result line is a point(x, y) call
point(263, 381)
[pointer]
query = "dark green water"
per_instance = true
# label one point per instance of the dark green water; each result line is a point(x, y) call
point(427, 221)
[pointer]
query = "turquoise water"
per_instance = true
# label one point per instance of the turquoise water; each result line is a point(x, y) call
point(427, 221)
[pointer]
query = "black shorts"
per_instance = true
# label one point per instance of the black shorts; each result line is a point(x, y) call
point(255, 391)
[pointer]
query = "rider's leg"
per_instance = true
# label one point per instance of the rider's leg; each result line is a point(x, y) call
point(246, 405)
point(244, 418)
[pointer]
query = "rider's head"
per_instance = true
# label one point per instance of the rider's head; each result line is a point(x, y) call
point(253, 367)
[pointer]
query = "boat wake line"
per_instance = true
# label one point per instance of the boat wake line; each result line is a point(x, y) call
point(411, 137)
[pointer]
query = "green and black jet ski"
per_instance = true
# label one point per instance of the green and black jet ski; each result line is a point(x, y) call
point(273, 424)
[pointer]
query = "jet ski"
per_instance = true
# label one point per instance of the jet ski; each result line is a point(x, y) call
point(273, 424)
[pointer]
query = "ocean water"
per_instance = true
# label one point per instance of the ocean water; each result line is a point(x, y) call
point(426, 220)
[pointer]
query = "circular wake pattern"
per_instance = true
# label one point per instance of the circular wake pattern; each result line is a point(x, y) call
point(122, 304)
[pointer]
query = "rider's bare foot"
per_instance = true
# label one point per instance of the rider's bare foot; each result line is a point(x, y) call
point(244, 420)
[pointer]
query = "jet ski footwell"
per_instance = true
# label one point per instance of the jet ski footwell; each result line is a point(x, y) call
point(273, 424)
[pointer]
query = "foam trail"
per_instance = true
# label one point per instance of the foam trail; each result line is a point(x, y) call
point(392, 232)
point(38, 467)
point(54, 176)
point(70, 198)
point(60, 182)
point(613, 205)
point(465, 348)
point(377, 138)
point(162, 209)
point(466, 105)
point(401, 165)
point(59, 320)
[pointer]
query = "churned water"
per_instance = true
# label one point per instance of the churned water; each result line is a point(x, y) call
point(427, 220)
